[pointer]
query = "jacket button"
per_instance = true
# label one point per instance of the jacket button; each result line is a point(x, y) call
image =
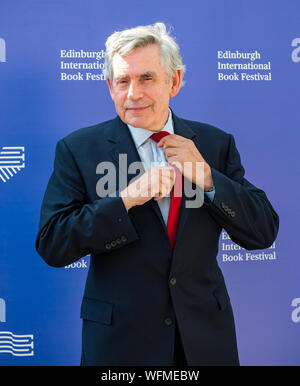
point(113, 243)
point(107, 246)
point(123, 238)
point(118, 240)
point(168, 321)
point(173, 281)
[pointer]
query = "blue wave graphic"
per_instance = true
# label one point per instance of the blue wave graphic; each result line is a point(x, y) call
point(17, 345)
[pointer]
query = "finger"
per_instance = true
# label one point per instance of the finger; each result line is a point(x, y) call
point(175, 163)
point(159, 176)
point(166, 183)
point(166, 187)
point(171, 151)
point(168, 173)
point(155, 178)
point(171, 139)
point(165, 170)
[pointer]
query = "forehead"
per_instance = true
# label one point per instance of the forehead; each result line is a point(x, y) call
point(140, 60)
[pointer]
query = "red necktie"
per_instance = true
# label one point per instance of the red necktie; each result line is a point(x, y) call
point(176, 197)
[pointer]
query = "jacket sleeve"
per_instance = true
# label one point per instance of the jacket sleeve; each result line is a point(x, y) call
point(70, 227)
point(242, 209)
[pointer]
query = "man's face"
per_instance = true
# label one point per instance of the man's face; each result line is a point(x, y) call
point(140, 89)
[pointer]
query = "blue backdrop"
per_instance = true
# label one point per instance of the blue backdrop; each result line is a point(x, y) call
point(39, 305)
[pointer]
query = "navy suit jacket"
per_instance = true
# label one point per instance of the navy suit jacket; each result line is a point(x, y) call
point(137, 286)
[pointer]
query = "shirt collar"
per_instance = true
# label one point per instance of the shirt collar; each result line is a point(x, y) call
point(141, 135)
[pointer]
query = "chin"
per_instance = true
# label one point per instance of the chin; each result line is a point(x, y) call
point(137, 122)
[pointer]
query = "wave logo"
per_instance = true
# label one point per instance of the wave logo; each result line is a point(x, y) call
point(12, 160)
point(17, 345)
point(2, 50)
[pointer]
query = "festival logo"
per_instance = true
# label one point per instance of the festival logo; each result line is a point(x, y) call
point(12, 160)
point(17, 345)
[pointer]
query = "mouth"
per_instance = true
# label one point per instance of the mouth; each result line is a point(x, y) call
point(136, 109)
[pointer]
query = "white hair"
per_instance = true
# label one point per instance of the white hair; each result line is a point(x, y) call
point(124, 42)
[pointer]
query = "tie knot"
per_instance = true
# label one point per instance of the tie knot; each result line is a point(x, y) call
point(158, 136)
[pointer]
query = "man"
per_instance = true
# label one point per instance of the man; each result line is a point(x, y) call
point(151, 298)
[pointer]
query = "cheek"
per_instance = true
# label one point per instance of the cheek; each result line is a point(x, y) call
point(163, 96)
point(119, 99)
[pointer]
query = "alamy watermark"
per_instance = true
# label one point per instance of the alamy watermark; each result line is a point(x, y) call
point(107, 184)
point(2, 50)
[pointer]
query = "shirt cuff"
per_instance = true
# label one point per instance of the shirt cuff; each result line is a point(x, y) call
point(210, 195)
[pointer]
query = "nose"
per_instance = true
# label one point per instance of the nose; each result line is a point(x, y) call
point(134, 91)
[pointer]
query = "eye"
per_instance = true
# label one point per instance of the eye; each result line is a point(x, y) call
point(121, 82)
point(147, 77)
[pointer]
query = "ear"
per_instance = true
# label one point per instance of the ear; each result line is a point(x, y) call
point(176, 83)
point(110, 87)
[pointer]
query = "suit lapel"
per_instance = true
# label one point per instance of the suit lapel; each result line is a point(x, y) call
point(123, 152)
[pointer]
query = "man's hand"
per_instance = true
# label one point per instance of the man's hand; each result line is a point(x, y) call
point(156, 183)
point(183, 153)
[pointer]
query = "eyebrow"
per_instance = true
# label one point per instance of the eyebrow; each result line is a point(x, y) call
point(147, 74)
point(121, 77)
